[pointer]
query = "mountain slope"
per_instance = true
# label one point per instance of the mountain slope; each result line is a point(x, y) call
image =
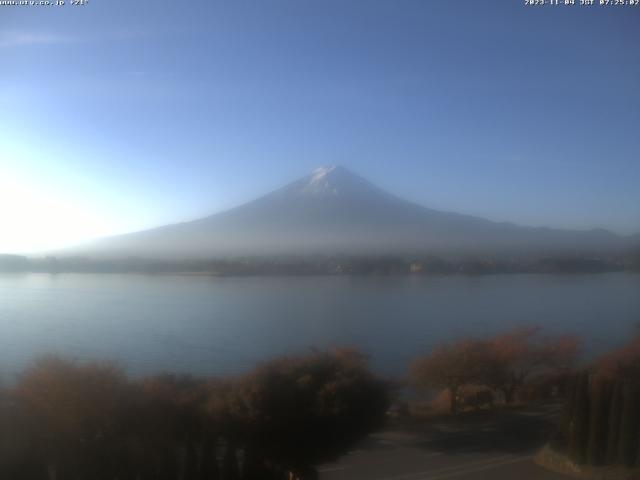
point(333, 210)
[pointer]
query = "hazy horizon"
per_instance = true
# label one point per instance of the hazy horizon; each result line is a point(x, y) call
point(323, 241)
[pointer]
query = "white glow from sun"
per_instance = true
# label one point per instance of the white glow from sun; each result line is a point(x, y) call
point(34, 218)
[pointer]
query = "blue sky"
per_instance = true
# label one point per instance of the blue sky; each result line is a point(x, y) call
point(120, 115)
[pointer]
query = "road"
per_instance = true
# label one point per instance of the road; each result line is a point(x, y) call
point(482, 445)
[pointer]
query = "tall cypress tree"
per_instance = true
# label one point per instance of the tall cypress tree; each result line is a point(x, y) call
point(630, 424)
point(230, 470)
point(209, 469)
point(579, 425)
point(600, 400)
point(615, 416)
point(569, 407)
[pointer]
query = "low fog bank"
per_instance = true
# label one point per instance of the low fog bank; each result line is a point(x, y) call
point(330, 264)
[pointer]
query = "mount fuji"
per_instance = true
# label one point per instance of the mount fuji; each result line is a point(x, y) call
point(335, 211)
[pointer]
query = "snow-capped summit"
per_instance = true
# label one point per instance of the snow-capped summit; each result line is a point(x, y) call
point(332, 181)
point(321, 181)
point(321, 173)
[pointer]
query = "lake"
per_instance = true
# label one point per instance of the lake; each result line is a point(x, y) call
point(209, 325)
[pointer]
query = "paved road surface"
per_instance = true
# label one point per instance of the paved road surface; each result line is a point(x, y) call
point(495, 446)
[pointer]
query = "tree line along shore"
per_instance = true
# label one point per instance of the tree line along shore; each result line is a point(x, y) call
point(327, 265)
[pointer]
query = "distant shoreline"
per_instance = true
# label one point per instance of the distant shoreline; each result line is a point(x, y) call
point(322, 266)
point(315, 275)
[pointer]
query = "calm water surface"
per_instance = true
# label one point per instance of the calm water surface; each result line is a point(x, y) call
point(226, 325)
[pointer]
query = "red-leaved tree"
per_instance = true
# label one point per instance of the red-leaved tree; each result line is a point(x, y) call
point(454, 365)
point(521, 354)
